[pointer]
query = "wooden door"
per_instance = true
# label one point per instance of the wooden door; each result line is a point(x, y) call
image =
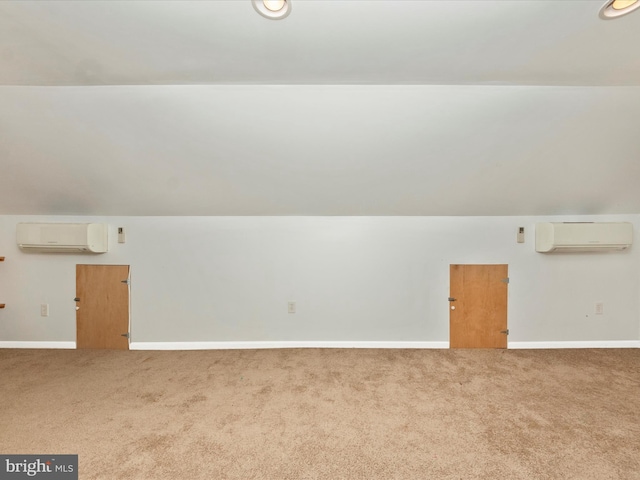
point(478, 306)
point(102, 301)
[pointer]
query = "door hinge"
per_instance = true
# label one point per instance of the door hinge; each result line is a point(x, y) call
point(125, 335)
point(505, 280)
point(127, 281)
point(506, 332)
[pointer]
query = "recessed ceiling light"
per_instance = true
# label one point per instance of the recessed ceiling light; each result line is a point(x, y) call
point(618, 8)
point(276, 5)
point(273, 9)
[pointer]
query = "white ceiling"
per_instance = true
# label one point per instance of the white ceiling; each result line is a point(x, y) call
point(347, 107)
point(450, 42)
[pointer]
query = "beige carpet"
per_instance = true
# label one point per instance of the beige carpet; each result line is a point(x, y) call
point(327, 414)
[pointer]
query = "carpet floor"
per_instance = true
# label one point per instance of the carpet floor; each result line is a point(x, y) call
point(327, 413)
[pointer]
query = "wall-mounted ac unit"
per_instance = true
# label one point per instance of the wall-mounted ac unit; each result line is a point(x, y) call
point(63, 237)
point(583, 236)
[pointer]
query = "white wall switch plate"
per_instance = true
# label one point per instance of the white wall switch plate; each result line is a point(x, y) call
point(291, 307)
point(121, 235)
point(44, 310)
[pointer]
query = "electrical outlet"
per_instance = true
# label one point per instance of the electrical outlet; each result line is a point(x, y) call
point(599, 308)
point(44, 309)
point(292, 307)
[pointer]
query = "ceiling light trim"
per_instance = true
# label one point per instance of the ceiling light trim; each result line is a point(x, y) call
point(608, 12)
point(261, 8)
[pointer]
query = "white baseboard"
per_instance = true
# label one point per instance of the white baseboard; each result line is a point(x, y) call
point(584, 344)
point(71, 345)
point(336, 344)
point(275, 344)
point(320, 344)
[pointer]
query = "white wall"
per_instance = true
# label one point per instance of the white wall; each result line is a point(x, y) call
point(353, 279)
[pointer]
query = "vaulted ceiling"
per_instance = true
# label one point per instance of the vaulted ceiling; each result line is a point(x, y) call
point(346, 107)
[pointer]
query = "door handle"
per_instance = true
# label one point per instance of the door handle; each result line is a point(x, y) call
point(451, 299)
point(76, 299)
